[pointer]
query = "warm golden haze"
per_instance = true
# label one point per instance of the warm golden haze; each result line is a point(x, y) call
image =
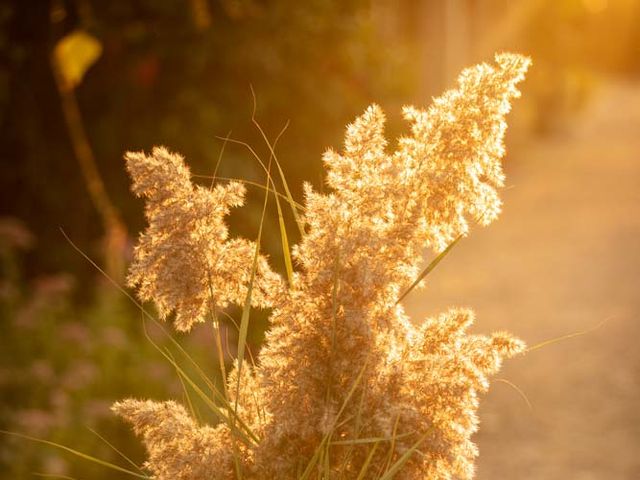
point(87, 322)
point(342, 363)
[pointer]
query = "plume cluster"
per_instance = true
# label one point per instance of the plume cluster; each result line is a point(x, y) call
point(185, 261)
point(345, 385)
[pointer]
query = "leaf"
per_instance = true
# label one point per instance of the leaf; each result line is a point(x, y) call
point(327, 438)
point(397, 466)
point(77, 453)
point(433, 264)
point(74, 54)
point(296, 217)
point(365, 465)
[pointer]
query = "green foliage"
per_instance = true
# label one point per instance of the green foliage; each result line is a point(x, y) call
point(65, 363)
point(164, 73)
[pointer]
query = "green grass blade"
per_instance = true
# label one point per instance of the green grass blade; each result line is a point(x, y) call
point(393, 442)
point(294, 205)
point(215, 171)
point(434, 263)
point(363, 441)
point(115, 449)
point(280, 171)
point(140, 307)
point(246, 310)
point(146, 314)
point(246, 438)
point(282, 196)
point(367, 462)
point(216, 335)
point(292, 202)
point(53, 475)
point(283, 231)
point(334, 315)
point(327, 438)
point(244, 320)
point(314, 459)
point(357, 429)
point(247, 435)
point(351, 392)
point(286, 251)
point(326, 463)
point(77, 453)
point(185, 391)
point(397, 466)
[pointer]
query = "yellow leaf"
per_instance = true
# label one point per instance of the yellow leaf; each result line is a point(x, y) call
point(74, 55)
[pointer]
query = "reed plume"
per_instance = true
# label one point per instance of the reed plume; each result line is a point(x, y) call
point(345, 385)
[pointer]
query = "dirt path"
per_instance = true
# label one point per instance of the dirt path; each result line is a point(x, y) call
point(564, 256)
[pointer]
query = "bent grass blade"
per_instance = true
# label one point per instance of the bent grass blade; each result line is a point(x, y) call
point(77, 453)
point(146, 314)
point(327, 438)
point(433, 264)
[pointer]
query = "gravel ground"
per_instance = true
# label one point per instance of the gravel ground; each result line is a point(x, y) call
point(563, 257)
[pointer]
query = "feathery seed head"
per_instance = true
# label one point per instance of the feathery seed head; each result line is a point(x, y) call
point(184, 260)
point(341, 358)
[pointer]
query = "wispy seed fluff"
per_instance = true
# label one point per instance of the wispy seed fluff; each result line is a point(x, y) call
point(184, 261)
point(341, 358)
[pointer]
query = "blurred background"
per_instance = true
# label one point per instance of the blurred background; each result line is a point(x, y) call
point(83, 81)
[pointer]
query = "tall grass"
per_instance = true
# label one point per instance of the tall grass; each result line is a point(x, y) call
point(345, 386)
